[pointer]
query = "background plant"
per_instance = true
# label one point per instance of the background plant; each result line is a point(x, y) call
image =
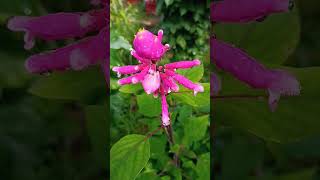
point(53, 126)
point(249, 140)
point(133, 112)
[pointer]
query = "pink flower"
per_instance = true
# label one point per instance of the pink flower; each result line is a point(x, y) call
point(156, 79)
point(77, 56)
point(148, 47)
point(248, 70)
point(235, 11)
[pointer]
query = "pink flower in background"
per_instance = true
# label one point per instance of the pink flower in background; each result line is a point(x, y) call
point(240, 64)
point(239, 11)
point(248, 70)
point(148, 50)
point(77, 56)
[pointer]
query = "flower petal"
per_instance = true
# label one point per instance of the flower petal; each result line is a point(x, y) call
point(185, 82)
point(248, 70)
point(76, 56)
point(183, 64)
point(233, 11)
point(58, 26)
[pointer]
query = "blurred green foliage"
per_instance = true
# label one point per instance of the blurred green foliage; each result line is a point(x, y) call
point(52, 126)
point(134, 112)
point(250, 141)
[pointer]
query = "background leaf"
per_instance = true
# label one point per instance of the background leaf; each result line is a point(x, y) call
point(129, 156)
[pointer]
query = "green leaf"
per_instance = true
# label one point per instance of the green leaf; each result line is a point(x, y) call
point(270, 41)
point(295, 118)
point(97, 127)
point(195, 129)
point(201, 99)
point(168, 2)
point(121, 42)
point(203, 166)
point(148, 105)
point(130, 88)
point(181, 41)
point(128, 157)
point(194, 74)
point(70, 85)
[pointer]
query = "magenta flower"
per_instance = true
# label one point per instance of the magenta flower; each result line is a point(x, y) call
point(148, 50)
point(77, 56)
point(240, 11)
point(248, 70)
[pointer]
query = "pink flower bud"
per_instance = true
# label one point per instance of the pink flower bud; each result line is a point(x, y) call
point(130, 69)
point(183, 64)
point(233, 11)
point(248, 70)
point(58, 26)
point(135, 78)
point(76, 56)
point(149, 46)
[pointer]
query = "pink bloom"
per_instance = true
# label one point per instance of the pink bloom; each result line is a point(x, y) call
point(77, 56)
point(234, 11)
point(156, 79)
point(148, 47)
point(248, 70)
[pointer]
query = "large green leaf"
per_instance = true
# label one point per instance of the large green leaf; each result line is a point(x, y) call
point(195, 129)
point(128, 157)
point(70, 85)
point(148, 105)
point(203, 166)
point(201, 99)
point(295, 117)
point(270, 41)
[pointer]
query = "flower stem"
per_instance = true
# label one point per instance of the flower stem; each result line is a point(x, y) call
point(169, 132)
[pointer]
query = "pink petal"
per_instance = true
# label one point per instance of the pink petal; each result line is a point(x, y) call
point(185, 82)
point(151, 82)
point(165, 113)
point(183, 64)
point(130, 69)
point(168, 83)
point(248, 70)
point(135, 78)
point(58, 26)
point(233, 11)
point(76, 56)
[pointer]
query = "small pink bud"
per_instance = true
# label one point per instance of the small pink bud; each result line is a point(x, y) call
point(240, 11)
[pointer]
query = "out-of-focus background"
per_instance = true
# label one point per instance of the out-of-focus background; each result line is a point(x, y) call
point(52, 126)
point(250, 141)
point(186, 28)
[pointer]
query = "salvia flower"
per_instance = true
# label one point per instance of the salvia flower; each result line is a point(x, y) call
point(248, 70)
point(77, 56)
point(240, 11)
point(156, 80)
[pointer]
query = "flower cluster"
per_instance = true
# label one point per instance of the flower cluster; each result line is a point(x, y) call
point(156, 80)
point(240, 64)
point(58, 26)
